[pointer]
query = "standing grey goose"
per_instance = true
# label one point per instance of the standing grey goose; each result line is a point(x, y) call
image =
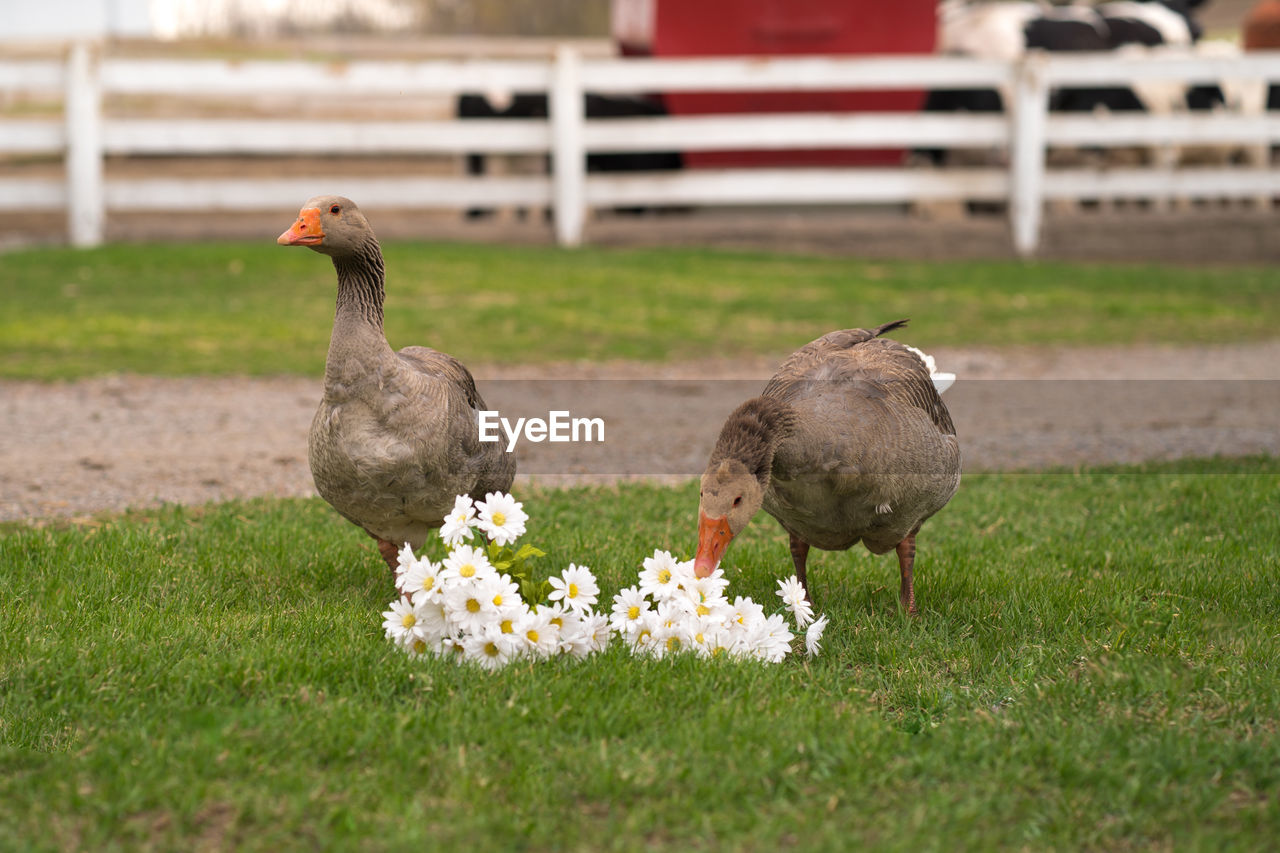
point(849, 443)
point(395, 438)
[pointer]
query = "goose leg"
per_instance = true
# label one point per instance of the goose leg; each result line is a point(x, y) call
point(390, 553)
point(906, 563)
point(800, 556)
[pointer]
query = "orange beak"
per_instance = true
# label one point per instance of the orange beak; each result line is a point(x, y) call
point(306, 231)
point(713, 538)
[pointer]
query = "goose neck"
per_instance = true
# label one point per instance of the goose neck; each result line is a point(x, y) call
point(361, 284)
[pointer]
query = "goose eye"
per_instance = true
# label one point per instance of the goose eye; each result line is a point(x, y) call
point(737, 501)
point(335, 210)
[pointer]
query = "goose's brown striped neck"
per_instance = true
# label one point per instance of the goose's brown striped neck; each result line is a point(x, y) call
point(361, 282)
point(751, 435)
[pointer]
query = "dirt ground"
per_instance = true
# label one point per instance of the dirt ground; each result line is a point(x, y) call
point(77, 448)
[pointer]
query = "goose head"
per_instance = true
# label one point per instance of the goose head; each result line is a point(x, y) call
point(730, 497)
point(329, 224)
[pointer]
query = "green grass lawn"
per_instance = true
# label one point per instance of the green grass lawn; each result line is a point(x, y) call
point(228, 308)
point(1094, 667)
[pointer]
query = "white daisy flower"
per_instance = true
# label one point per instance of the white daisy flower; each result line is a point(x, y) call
point(792, 593)
point(743, 615)
point(501, 517)
point(506, 594)
point(669, 626)
point(405, 560)
point(673, 612)
point(596, 627)
point(420, 582)
point(813, 636)
point(470, 606)
point(773, 640)
point(670, 640)
point(465, 563)
point(567, 621)
point(432, 621)
point(420, 648)
point(457, 524)
point(539, 636)
point(706, 595)
point(576, 588)
point(705, 636)
point(661, 576)
point(582, 639)
point(451, 647)
point(492, 649)
point(629, 606)
point(644, 638)
point(711, 587)
point(554, 612)
point(506, 598)
point(400, 623)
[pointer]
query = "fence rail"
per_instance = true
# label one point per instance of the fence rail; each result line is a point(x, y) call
point(85, 135)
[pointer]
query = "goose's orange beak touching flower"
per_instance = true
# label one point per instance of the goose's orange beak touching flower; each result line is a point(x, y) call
point(713, 537)
point(306, 231)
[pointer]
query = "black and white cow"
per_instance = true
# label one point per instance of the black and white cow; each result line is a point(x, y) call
point(1131, 25)
point(1006, 30)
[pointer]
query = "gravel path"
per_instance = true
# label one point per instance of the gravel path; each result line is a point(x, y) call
point(73, 449)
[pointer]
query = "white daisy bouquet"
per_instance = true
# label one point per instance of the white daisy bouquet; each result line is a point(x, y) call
point(480, 603)
point(673, 610)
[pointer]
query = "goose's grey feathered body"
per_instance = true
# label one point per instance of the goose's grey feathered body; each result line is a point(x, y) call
point(849, 442)
point(395, 437)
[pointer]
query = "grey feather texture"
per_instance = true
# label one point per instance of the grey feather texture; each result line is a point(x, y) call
point(872, 452)
point(849, 442)
point(395, 437)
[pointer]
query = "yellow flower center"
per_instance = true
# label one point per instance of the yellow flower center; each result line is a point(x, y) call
point(428, 583)
point(491, 649)
point(633, 612)
point(673, 644)
point(699, 639)
point(644, 635)
point(467, 571)
point(499, 518)
point(573, 590)
point(558, 622)
point(497, 600)
point(506, 626)
point(664, 576)
point(408, 620)
point(532, 634)
point(703, 610)
point(473, 606)
point(420, 647)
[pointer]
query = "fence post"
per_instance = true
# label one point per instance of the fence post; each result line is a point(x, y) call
point(1029, 114)
point(83, 115)
point(568, 157)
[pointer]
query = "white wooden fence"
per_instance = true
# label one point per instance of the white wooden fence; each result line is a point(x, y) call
point(86, 136)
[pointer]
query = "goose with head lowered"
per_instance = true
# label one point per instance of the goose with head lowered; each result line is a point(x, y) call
point(848, 443)
point(395, 438)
